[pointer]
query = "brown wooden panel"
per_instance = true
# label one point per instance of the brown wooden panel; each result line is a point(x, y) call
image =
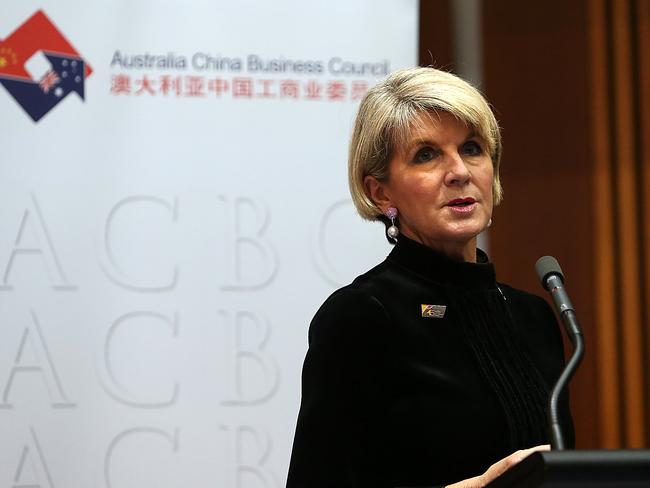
point(643, 86)
point(435, 46)
point(627, 216)
point(604, 266)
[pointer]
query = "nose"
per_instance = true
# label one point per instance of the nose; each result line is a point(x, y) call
point(457, 171)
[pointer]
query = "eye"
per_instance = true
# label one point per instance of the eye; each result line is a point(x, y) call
point(472, 148)
point(425, 154)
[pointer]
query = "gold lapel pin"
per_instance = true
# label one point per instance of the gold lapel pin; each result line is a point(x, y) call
point(433, 311)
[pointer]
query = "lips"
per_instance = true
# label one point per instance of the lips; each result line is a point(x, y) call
point(460, 202)
point(461, 206)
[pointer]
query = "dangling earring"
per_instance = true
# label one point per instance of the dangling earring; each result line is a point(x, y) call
point(392, 231)
point(489, 224)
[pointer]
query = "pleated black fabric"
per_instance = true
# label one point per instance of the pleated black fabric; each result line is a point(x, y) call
point(394, 398)
point(506, 367)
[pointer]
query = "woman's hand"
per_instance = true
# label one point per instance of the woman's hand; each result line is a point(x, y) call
point(498, 468)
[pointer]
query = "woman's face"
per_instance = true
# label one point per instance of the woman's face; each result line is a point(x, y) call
point(441, 184)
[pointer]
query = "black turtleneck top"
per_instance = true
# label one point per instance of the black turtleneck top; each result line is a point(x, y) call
point(422, 372)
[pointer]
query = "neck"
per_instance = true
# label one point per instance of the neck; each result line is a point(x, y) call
point(456, 250)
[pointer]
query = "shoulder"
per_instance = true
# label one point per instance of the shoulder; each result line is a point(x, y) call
point(354, 310)
point(537, 325)
point(527, 303)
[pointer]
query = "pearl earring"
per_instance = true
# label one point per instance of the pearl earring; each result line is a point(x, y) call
point(489, 224)
point(392, 231)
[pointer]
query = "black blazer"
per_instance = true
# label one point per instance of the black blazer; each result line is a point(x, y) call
point(394, 394)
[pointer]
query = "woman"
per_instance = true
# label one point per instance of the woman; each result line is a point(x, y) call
point(425, 371)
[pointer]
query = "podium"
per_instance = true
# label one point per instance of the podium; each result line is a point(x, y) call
point(579, 469)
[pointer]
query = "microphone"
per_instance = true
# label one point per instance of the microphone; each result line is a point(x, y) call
point(552, 279)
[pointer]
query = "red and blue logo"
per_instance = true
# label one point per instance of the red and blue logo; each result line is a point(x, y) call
point(39, 67)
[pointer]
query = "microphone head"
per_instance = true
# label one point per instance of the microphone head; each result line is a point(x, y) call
point(546, 266)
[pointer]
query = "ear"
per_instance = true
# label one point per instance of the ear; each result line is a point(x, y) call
point(378, 193)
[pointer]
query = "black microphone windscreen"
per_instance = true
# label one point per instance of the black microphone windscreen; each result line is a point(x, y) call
point(545, 266)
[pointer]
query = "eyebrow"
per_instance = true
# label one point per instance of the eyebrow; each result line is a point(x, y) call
point(417, 142)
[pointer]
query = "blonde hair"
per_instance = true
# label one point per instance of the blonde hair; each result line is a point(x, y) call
point(391, 109)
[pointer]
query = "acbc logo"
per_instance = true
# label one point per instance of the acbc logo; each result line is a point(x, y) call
point(39, 67)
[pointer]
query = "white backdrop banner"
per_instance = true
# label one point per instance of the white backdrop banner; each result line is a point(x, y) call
point(174, 209)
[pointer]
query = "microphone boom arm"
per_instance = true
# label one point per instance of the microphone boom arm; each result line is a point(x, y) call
point(552, 279)
point(571, 323)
